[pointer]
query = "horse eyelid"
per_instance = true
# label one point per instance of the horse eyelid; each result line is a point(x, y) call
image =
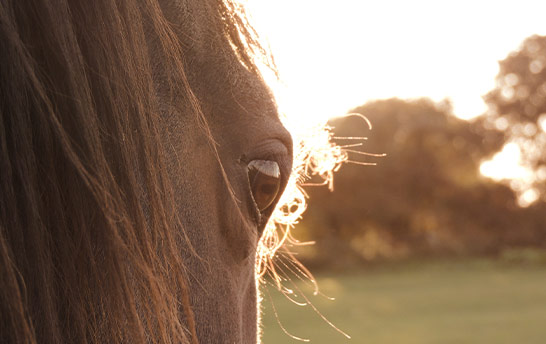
point(273, 149)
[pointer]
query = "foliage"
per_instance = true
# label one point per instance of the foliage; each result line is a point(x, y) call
point(425, 197)
point(517, 106)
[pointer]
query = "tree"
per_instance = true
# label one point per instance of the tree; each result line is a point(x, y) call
point(517, 107)
point(425, 197)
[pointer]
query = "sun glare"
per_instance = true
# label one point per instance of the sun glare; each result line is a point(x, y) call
point(333, 56)
point(502, 165)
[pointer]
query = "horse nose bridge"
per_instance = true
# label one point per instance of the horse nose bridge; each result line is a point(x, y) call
point(227, 302)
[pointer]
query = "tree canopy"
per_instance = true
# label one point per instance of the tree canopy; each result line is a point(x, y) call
point(426, 196)
point(517, 107)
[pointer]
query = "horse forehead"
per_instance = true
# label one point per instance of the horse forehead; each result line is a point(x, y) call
point(195, 21)
point(212, 67)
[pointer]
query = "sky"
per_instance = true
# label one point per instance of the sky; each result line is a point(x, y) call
point(336, 55)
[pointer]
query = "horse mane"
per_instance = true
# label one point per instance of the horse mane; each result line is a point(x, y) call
point(79, 152)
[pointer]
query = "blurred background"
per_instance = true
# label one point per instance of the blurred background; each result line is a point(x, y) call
point(444, 239)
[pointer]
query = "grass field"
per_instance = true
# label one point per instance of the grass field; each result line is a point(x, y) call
point(469, 301)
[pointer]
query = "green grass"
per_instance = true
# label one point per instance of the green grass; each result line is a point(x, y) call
point(470, 301)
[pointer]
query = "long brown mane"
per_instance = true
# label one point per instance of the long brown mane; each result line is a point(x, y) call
point(89, 240)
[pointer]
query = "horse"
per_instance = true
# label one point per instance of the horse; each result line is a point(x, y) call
point(141, 156)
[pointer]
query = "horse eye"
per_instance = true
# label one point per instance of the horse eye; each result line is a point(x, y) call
point(265, 181)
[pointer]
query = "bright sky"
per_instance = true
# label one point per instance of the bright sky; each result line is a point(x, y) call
point(335, 55)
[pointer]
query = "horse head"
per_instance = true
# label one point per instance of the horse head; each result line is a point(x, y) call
point(141, 158)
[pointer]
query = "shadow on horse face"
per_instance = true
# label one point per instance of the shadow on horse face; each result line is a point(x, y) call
point(211, 177)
